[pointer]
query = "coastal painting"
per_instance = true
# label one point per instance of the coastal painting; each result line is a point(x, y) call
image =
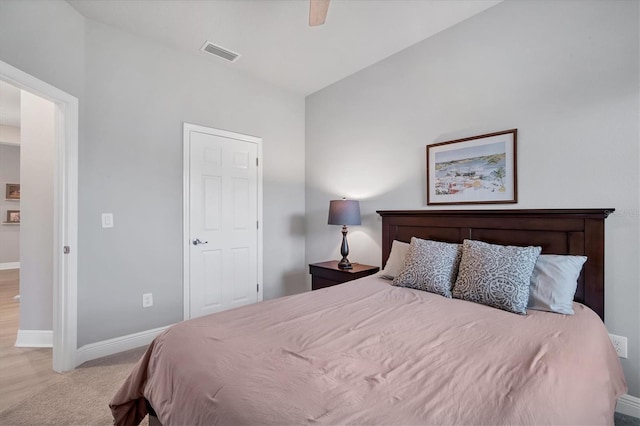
point(479, 169)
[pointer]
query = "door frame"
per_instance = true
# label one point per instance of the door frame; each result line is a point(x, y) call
point(65, 213)
point(186, 210)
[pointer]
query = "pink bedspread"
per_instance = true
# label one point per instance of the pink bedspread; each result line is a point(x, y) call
point(365, 352)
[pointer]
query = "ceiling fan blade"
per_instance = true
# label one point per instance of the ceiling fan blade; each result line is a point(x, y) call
point(317, 12)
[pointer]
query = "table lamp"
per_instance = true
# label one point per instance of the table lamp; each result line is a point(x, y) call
point(344, 212)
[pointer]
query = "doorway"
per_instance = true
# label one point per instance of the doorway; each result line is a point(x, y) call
point(26, 161)
point(222, 220)
point(65, 212)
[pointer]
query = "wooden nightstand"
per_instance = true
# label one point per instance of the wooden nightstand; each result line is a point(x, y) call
point(326, 274)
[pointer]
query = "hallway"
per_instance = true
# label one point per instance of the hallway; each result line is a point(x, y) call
point(22, 370)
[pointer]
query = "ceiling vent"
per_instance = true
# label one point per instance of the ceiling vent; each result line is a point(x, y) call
point(219, 51)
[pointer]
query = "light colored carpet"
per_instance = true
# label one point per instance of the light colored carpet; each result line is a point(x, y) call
point(79, 397)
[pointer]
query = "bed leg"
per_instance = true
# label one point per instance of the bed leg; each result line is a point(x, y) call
point(153, 421)
point(153, 417)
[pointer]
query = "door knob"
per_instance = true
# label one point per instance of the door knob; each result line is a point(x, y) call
point(197, 241)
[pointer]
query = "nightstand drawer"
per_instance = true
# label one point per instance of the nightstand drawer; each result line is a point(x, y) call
point(319, 282)
point(327, 274)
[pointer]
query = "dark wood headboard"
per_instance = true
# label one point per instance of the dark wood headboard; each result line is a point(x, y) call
point(576, 231)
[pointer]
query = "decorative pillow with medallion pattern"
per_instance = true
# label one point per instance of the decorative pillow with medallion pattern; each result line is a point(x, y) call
point(495, 275)
point(430, 266)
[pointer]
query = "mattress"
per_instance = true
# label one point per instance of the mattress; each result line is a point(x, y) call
point(366, 352)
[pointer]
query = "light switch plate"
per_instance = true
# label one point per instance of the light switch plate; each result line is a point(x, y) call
point(147, 300)
point(107, 220)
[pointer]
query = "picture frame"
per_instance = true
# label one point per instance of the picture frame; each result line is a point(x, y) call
point(13, 216)
point(475, 170)
point(12, 191)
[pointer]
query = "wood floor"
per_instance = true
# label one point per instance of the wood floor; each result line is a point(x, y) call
point(23, 371)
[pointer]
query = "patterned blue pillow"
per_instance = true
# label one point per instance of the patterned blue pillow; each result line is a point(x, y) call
point(430, 266)
point(495, 275)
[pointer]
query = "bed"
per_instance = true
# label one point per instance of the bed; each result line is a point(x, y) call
point(367, 352)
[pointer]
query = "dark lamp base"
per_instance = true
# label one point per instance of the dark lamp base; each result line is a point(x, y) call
point(345, 264)
point(344, 251)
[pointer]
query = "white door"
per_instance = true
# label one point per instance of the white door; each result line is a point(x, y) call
point(223, 253)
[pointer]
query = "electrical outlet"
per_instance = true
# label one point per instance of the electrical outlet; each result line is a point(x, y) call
point(107, 220)
point(147, 300)
point(619, 344)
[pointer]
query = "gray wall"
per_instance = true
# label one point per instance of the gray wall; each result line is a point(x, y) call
point(565, 73)
point(138, 94)
point(37, 131)
point(134, 96)
point(9, 234)
point(44, 39)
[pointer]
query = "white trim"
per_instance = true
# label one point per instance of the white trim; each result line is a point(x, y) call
point(117, 345)
point(186, 199)
point(9, 265)
point(260, 224)
point(34, 339)
point(186, 172)
point(629, 405)
point(65, 213)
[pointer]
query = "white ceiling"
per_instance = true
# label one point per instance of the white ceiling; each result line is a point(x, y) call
point(273, 37)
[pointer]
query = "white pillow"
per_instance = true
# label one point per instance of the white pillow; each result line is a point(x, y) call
point(396, 259)
point(553, 283)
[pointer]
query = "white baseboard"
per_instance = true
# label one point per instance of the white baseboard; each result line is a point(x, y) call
point(629, 405)
point(34, 339)
point(116, 345)
point(9, 265)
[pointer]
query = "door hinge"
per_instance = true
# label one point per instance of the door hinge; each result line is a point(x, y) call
point(257, 288)
point(257, 224)
point(66, 249)
point(257, 161)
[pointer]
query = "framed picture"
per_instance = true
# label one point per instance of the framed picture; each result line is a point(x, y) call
point(13, 216)
point(13, 191)
point(476, 170)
